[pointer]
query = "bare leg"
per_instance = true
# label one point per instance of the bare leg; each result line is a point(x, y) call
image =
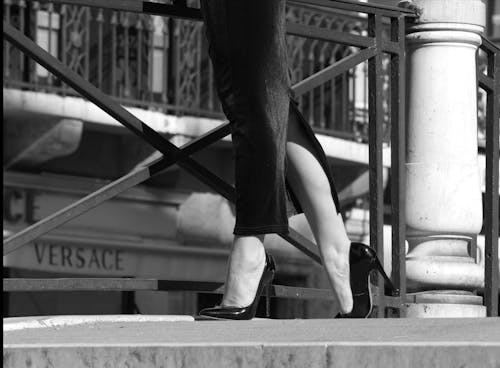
point(245, 268)
point(310, 184)
point(312, 188)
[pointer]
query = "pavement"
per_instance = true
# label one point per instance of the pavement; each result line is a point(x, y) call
point(180, 341)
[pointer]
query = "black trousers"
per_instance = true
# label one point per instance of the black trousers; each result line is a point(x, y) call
point(248, 51)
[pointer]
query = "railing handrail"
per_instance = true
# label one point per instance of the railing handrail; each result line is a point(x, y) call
point(488, 45)
point(141, 6)
point(352, 5)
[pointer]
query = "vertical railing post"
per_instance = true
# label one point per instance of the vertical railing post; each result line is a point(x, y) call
point(149, 77)
point(140, 33)
point(86, 64)
point(50, 11)
point(398, 147)
point(491, 282)
point(33, 8)
point(23, 58)
point(114, 24)
point(376, 119)
point(6, 45)
point(169, 63)
point(125, 82)
point(100, 20)
point(63, 22)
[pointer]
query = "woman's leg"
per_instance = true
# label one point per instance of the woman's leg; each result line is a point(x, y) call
point(312, 188)
point(245, 268)
point(248, 50)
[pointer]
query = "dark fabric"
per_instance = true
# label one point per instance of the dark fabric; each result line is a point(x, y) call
point(248, 51)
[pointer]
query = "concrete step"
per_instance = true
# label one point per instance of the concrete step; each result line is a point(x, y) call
point(180, 341)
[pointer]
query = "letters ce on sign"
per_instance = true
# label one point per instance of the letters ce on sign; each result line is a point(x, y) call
point(70, 256)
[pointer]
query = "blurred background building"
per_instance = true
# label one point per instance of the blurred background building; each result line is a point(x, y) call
point(58, 147)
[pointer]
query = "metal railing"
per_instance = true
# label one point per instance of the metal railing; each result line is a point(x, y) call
point(490, 83)
point(373, 47)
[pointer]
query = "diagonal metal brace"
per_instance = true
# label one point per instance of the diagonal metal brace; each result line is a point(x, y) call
point(333, 70)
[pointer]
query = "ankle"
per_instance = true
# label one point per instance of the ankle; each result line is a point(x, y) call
point(248, 254)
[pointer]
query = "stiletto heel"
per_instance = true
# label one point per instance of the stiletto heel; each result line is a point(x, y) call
point(363, 260)
point(389, 286)
point(248, 312)
point(268, 300)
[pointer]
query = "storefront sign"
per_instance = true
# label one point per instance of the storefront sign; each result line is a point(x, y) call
point(91, 259)
point(72, 258)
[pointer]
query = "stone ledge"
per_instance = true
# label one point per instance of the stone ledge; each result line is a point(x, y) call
point(256, 355)
point(261, 343)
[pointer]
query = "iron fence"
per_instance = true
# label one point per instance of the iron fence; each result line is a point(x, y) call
point(489, 82)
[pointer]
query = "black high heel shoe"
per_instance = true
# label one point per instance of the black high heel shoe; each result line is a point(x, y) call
point(248, 312)
point(363, 260)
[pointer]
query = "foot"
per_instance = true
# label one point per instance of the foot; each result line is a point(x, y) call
point(246, 264)
point(337, 268)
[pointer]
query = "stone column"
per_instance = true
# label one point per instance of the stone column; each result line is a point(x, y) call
point(444, 206)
